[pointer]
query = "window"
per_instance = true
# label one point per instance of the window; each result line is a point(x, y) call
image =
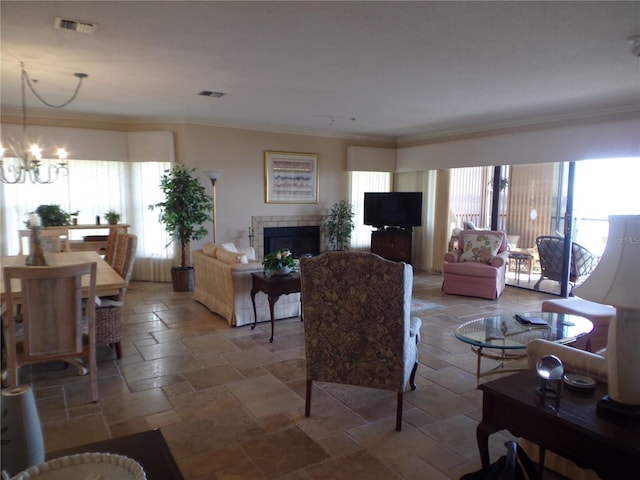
point(92, 188)
point(362, 182)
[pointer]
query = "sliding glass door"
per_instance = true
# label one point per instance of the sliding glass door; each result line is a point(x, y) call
point(555, 214)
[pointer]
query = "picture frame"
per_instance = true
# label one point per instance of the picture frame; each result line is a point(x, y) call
point(291, 177)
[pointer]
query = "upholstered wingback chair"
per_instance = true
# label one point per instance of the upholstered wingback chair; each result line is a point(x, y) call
point(551, 252)
point(358, 329)
point(477, 267)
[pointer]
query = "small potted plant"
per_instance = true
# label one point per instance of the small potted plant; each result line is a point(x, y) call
point(280, 262)
point(112, 217)
point(340, 225)
point(185, 208)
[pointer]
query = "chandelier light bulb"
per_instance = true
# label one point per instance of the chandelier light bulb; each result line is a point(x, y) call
point(62, 153)
point(36, 151)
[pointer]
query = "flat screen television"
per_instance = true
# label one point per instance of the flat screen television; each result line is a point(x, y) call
point(393, 209)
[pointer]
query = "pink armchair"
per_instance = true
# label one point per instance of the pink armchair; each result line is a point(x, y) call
point(477, 267)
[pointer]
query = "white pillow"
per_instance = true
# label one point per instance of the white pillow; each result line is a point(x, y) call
point(230, 247)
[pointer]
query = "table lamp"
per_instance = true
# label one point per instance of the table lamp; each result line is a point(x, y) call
point(616, 282)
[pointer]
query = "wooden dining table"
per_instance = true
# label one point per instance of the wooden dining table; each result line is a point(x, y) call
point(108, 282)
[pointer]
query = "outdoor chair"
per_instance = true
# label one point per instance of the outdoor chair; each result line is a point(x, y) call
point(358, 329)
point(551, 253)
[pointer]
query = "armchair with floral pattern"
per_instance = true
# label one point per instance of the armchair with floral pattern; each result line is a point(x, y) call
point(358, 329)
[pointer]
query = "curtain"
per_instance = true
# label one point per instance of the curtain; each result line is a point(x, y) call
point(361, 182)
point(93, 188)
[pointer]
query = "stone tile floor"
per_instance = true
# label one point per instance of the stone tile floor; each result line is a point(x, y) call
point(231, 405)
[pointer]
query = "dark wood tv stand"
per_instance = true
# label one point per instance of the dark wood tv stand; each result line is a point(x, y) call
point(393, 244)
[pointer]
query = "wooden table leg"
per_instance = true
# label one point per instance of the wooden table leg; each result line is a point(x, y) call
point(253, 302)
point(272, 300)
point(482, 436)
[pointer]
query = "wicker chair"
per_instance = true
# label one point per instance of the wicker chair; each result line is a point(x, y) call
point(111, 244)
point(109, 309)
point(551, 252)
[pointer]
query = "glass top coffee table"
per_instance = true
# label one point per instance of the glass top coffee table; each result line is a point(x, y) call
point(505, 337)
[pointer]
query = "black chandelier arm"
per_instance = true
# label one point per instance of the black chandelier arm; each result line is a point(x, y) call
point(27, 81)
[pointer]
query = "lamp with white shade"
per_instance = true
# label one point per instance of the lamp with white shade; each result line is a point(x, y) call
point(616, 282)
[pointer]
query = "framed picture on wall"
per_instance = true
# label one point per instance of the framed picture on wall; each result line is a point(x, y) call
point(291, 177)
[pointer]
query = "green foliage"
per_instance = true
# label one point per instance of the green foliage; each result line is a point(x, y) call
point(53, 216)
point(185, 208)
point(112, 217)
point(340, 224)
point(277, 260)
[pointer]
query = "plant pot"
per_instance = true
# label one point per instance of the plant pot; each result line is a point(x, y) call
point(183, 279)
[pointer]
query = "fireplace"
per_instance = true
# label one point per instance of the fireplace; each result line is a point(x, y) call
point(262, 224)
point(299, 240)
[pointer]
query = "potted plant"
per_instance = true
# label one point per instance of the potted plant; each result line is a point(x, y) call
point(280, 262)
point(185, 208)
point(340, 224)
point(53, 216)
point(112, 217)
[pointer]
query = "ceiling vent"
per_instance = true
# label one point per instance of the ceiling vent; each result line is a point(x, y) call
point(71, 25)
point(209, 93)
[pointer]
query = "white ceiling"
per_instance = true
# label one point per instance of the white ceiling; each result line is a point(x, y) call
point(384, 69)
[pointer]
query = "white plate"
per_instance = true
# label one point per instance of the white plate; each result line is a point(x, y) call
point(86, 466)
point(579, 381)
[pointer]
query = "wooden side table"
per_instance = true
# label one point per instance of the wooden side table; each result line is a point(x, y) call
point(274, 286)
point(568, 426)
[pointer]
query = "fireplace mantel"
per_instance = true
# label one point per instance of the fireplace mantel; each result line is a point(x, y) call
point(258, 224)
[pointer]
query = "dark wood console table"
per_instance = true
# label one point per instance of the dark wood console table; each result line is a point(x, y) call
point(570, 426)
point(148, 448)
point(392, 244)
point(274, 286)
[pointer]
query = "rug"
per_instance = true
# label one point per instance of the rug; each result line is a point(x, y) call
point(418, 305)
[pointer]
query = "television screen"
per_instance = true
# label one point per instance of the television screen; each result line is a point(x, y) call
point(393, 209)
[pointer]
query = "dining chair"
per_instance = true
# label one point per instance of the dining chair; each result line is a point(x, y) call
point(111, 244)
point(109, 309)
point(357, 323)
point(58, 318)
point(51, 240)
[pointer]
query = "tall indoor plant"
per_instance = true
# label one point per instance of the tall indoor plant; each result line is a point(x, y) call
point(185, 208)
point(340, 224)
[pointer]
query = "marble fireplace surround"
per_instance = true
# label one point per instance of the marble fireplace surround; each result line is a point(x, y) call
point(258, 224)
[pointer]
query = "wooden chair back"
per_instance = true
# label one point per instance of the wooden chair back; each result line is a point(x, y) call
point(53, 306)
point(52, 241)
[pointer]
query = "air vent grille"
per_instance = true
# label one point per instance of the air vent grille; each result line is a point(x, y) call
point(78, 26)
point(209, 93)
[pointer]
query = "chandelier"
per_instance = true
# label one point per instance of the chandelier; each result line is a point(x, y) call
point(24, 159)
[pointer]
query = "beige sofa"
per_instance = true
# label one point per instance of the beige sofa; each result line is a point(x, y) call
point(223, 285)
point(593, 365)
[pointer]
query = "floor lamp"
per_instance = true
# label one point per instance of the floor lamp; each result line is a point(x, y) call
point(615, 281)
point(213, 176)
